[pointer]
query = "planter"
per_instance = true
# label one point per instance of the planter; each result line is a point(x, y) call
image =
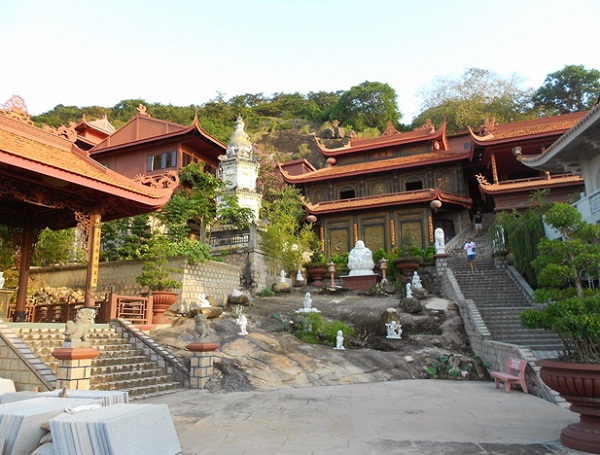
point(407, 268)
point(316, 275)
point(161, 301)
point(579, 384)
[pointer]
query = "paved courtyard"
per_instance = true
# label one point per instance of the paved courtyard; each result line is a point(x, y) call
point(401, 417)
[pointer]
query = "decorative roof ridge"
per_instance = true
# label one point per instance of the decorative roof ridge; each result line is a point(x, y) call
point(45, 136)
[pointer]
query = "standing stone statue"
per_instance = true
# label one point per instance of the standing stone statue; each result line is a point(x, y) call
point(408, 291)
point(307, 301)
point(360, 260)
point(440, 244)
point(339, 341)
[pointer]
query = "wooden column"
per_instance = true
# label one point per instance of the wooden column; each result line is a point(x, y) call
point(494, 169)
point(26, 252)
point(91, 278)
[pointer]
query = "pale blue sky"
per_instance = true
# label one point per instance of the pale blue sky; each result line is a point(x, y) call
point(185, 52)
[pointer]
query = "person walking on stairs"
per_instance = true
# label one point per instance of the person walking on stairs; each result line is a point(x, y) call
point(470, 250)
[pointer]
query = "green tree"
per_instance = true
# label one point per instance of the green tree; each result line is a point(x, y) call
point(56, 247)
point(571, 89)
point(122, 239)
point(469, 99)
point(368, 105)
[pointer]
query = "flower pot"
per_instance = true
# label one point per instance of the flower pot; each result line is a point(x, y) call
point(579, 384)
point(161, 301)
point(407, 268)
point(316, 274)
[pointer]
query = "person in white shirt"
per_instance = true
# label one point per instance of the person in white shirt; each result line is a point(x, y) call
point(470, 250)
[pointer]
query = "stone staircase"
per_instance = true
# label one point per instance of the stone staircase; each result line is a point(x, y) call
point(120, 365)
point(497, 297)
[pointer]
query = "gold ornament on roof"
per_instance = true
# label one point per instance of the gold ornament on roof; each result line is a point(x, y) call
point(142, 110)
point(482, 180)
point(15, 108)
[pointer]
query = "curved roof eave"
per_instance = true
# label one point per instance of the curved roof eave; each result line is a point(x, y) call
point(382, 141)
point(387, 200)
point(372, 167)
point(564, 143)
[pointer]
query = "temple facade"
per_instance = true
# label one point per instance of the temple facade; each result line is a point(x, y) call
point(391, 191)
point(395, 190)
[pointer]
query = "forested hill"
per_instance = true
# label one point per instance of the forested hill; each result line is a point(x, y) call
point(284, 124)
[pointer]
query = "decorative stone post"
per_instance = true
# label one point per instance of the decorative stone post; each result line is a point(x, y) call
point(201, 363)
point(331, 269)
point(75, 369)
point(383, 268)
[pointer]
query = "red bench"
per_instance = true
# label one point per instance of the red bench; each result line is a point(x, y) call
point(515, 375)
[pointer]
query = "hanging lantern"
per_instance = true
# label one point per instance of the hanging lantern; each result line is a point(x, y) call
point(435, 204)
point(311, 218)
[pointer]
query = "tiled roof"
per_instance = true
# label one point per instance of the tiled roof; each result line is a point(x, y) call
point(512, 186)
point(565, 145)
point(393, 140)
point(410, 197)
point(43, 148)
point(541, 126)
point(142, 129)
point(375, 166)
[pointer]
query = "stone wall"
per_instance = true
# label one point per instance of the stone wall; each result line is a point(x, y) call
point(212, 278)
point(19, 364)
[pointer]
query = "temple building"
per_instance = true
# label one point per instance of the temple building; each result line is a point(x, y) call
point(391, 191)
point(504, 181)
point(150, 147)
point(394, 190)
point(576, 151)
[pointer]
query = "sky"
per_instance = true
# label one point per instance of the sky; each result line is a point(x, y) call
point(188, 52)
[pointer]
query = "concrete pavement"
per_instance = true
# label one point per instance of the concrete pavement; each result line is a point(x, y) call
point(401, 417)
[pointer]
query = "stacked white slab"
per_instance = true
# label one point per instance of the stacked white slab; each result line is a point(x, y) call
point(108, 397)
point(6, 386)
point(21, 421)
point(121, 429)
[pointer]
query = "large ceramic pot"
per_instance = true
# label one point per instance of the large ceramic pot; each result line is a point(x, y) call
point(579, 384)
point(316, 274)
point(161, 301)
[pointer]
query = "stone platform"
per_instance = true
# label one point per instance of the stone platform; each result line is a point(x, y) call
point(359, 282)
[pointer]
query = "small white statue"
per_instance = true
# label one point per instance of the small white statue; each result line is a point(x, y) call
point(339, 341)
point(282, 275)
point(307, 301)
point(299, 276)
point(440, 245)
point(202, 301)
point(408, 291)
point(242, 320)
point(416, 281)
point(360, 260)
point(394, 330)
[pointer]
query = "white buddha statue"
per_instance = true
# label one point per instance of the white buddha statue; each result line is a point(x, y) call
point(360, 260)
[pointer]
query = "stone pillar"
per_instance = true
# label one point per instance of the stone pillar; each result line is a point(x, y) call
point(75, 369)
point(441, 263)
point(201, 363)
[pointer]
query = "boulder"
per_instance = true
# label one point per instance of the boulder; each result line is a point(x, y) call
point(389, 315)
point(410, 305)
point(281, 287)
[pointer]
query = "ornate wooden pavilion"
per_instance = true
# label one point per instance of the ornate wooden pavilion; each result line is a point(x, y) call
point(46, 181)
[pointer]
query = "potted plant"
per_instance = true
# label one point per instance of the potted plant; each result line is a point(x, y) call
point(157, 275)
point(316, 268)
point(573, 312)
point(409, 260)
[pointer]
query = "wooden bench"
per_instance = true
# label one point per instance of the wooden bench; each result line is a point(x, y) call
point(515, 375)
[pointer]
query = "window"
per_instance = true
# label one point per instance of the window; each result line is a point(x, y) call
point(161, 161)
point(188, 159)
point(413, 184)
point(347, 193)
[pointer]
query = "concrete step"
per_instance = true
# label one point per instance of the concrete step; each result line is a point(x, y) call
point(120, 366)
